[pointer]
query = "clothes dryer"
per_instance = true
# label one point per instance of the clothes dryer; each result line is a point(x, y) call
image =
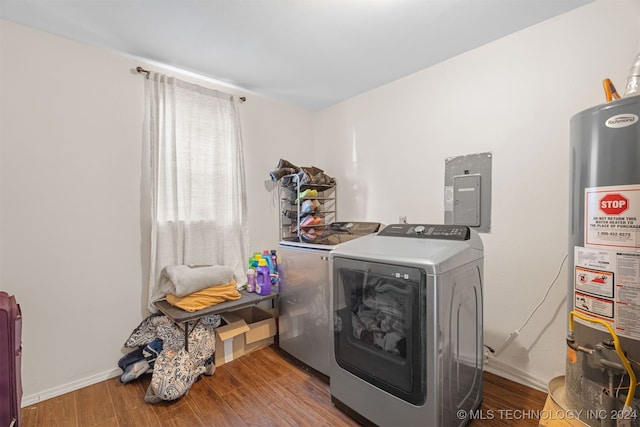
point(407, 344)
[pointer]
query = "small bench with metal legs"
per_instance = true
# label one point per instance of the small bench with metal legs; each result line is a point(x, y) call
point(187, 321)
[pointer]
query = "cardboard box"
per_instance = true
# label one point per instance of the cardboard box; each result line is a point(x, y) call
point(553, 415)
point(230, 339)
point(262, 328)
point(245, 330)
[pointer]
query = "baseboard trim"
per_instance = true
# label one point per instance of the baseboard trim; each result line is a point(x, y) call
point(500, 368)
point(494, 366)
point(69, 387)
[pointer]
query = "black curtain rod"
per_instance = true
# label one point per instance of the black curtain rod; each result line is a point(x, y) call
point(141, 70)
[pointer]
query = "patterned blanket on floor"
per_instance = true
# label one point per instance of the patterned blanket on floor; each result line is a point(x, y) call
point(174, 370)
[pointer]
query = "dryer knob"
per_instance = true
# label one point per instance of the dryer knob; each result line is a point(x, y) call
point(420, 229)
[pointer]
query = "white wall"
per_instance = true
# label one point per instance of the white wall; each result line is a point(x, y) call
point(70, 217)
point(513, 97)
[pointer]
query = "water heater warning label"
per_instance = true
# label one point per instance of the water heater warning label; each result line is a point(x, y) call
point(607, 285)
point(612, 217)
point(592, 305)
point(594, 282)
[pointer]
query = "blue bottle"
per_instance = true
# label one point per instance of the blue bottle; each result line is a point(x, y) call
point(275, 278)
point(274, 260)
point(267, 257)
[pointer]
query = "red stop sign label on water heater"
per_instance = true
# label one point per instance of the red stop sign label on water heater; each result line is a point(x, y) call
point(614, 204)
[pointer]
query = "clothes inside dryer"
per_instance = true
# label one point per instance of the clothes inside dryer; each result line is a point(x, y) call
point(377, 331)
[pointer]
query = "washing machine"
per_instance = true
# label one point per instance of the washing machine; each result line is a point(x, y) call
point(305, 319)
point(407, 345)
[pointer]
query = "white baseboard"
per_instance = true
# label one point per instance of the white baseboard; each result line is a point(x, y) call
point(69, 387)
point(493, 365)
point(500, 368)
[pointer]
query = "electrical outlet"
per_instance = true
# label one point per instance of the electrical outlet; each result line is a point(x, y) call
point(402, 219)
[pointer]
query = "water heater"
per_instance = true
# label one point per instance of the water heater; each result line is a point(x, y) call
point(603, 353)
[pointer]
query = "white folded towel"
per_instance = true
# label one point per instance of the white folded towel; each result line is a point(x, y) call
point(182, 280)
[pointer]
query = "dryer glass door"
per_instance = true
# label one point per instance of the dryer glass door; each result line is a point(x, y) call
point(380, 326)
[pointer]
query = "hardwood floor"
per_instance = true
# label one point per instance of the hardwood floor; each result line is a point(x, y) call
point(264, 388)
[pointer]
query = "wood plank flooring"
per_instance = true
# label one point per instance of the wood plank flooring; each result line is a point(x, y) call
point(264, 388)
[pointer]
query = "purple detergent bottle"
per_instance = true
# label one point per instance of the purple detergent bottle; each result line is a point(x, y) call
point(263, 278)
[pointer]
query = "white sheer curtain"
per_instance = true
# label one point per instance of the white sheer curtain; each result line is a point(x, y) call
point(197, 182)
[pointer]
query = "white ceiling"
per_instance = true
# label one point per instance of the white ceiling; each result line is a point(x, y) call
point(308, 53)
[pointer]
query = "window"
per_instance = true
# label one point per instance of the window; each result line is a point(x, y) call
point(197, 182)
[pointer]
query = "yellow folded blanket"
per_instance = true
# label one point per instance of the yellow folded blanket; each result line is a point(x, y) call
point(206, 297)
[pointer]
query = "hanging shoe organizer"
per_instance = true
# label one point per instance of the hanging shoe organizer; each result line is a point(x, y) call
point(306, 209)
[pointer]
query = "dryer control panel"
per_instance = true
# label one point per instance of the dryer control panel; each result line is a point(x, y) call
point(427, 231)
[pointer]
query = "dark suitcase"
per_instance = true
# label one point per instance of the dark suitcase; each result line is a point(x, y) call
point(10, 361)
